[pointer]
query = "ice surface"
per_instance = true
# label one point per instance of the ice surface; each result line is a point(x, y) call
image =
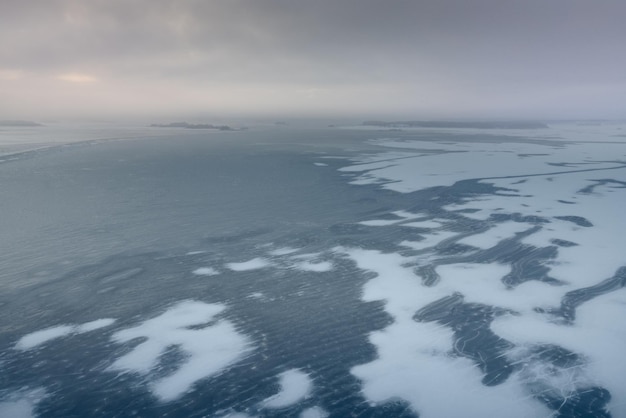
point(208, 350)
point(255, 263)
point(321, 164)
point(206, 271)
point(38, 338)
point(295, 385)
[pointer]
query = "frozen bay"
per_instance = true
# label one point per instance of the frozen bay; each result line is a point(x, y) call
point(326, 272)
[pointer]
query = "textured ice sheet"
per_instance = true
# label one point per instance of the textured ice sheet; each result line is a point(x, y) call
point(37, 338)
point(295, 386)
point(208, 349)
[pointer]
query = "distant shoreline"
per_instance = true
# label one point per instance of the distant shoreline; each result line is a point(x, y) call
point(186, 125)
point(456, 124)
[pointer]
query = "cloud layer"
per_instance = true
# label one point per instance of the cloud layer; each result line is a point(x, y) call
point(422, 58)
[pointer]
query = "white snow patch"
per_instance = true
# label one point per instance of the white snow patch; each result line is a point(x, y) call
point(482, 283)
point(413, 357)
point(38, 338)
point(254, 264)
point(321, 164)
point(205, 271)
point(295, 386)
point(209, 350)
point(595, 333)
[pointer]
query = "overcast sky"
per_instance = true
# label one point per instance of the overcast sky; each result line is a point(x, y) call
point(418, 59)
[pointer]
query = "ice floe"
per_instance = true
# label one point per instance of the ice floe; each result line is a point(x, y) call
point(209, 346)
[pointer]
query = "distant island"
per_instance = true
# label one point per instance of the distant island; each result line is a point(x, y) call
point(20, 123)
point(186, 125)
point(455, 124)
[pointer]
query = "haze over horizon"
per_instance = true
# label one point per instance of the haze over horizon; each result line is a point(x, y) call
point(417, 59)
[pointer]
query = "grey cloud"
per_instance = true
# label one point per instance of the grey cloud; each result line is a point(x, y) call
point(504, 47)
